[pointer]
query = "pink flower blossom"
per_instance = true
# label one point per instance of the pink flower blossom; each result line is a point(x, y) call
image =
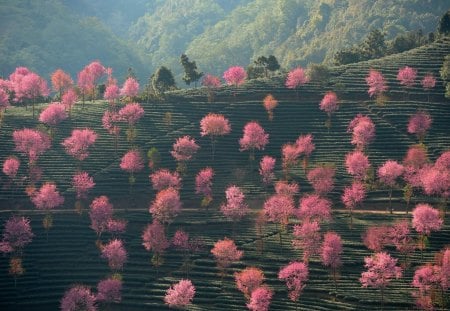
point(254, 137)
point(154, 238)
point(17, 233)
point(166, 205)
point(235, 76)
point(235, 208)
point(314, 208)
point(53, 114)
point(363, 131)
point(109, 290)
point(130, 88)
point(203, 182)
point(331, 250)
point(295, 275)
point(426, 219)
point(78, 298)
point(78, 143)
point(225, 252)
point(260, 299)
point(322, 179)
point(163, 179)
point(11, 167)
point(270, 103)
point(282, 187)
point(100, 214)
point(184, 148)
point(248, 280)
point(211, 81)
point(376, 83)
point(295, 78)
point(353, 195)
point(214, 125)
point(69, 99)
point(115, 253)
point(279, 208)
point(131, 113)
point(112, 93)
point(389, 172)
point(82, 183)
point(132, 162)
point(381, 269)
point(419, 124)
point(305, 145)
point(266, 169)
point(329, 103)
point(357, 164)
point(47, 198)
point(407, 76)
point(428, 82)
point(307, 238)
point(180, 295)
point(31, 142)
point(377, 237)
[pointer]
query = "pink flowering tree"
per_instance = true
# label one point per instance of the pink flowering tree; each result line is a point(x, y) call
point(16, 235)
point(248, 280)
point(78, 297)
point(225, 253)
point(116, 254)
point(130, 89)
point(82, 183)
point(61, 82)
point(388, 174)
point(85, 83)
point(353, 197)
point(78, 144)
point(154, 239)
point(435, 181)
point(270, 103)
point(314, 208)
point(163, 179)
point(166, 206)
point(180, 295)
point(426, 280)
point(69, 99)
point(132, 162)
point(110, 122)
point(296, 78)
point(278, 209)
point(235, 76)
point(295, 274)
point(305, 147)
point(254, 138)
point(381, 269)
point(100, 214)
point(11, 167)
point(203, 185)
point(357, 165)
point(260, 299)
point(415, 160)
point(425, 220)
point(283, 187)
point(407, 77)
point(331, 254)
point(32, 86)
point(46, 199)
point(377, 85)
point(211, 83)
point(214, 125)
point(428, 82)
point(112, 94)
point(400, 236)
point(376, 238)
point(109, 291)
point(322, 179)
point(131, 114)
point(183, 150)
point(362, 129)
point(419, 124)
point(307, 238)
point(234, 208)
point(52, 115)
point(266, 170)
point(329, 104)
point(290, 154)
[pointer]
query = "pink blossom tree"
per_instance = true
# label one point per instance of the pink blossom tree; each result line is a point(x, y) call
point(11, 166)
point(109, 291)
point(211, 83)
point(400, 237)
point(132, 162)
point(214, 125)
point(352, 197)
point(266, 170)
point(282, 187)
point(426, 280)
point(180, 295)
point(82, 183)
point(85, 83)
point(100, 214)
point(260, 299)
point(357, 165)
point(290, 154)
point(203, 185)
point(68, 99)
point(78, 297)
point(130, 88)
point(415, 160)
point(61, 82)
point(235, 76)
point(52, 115)
point(388, 174)
point(110, 122)
point(47, 198)
point(381, 269)
point(295, 275)
point(254, 138)
point(363, 131)
point(235, 208)
point(419, 124)
point(406, 77)
point(78, 144)
point(307, 238)
point(270, 103)
point(278, 208)
point(155, 240)
point(248, 280)
point(377, 84)
point(329, 104)
point(16, 235)
point(226, 253)
point(116, 254)
point(131, 114)
point(112, 94)
point(163, 179)
point(296, 78)
point(183, 150)
point(314, 208)
point(376, 238)
point(166, 206)
point(331, 253)
point(322, 179)
point(425, 220)
point(32, 86)
point(305, 147)
point(32, 143)
point(428, 82)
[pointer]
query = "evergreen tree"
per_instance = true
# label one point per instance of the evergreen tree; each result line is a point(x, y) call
point(190, 70)
point(163, 80)
point(444, 24)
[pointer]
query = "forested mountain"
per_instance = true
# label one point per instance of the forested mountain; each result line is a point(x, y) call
point(48, 34)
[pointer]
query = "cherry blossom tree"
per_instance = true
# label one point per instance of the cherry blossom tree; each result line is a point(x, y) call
point(68, 100)
point(203, 185)
point(131, 114)
point(407, 76)
point(331, 253)
point(82, 183)
point(235, 208)
point(110, 121)
point(85, 83)
point(425, 220)
point(214, 125)
point(428, 82)
point(357, 165)
point(381, 269)
point(305, 147)
point(307, 238)
point(130, 88)
point(426, 280)
point(109, 291)
point(260, 299)
point(116, 226)
point(166, 206)
point(155, 240)
point(400, 237)
point(388, 174)
point(282, 187)
point(377, 84)
point(112, 94)
point(78, 144)
point(225, 253)
point(270, 103)
point(352, 197)
point(296, 78)
point(295, 274)
point(419, 124)
point(235, 76)
point(254, 138)
point(32, 86)
point(163, 179)
point(52, 115)
point(61, 82)
point(211, 82)
point(47, 198)
point(100, 214)
point(248, 280)
point(278, 208)
point(329, 104)
point(266, 170)
point(115, 253)
point(183, 150)
point(11, 167)
point(16, 235)
point(363, 131)
point(15, 82)
point(78, 297)
point(376, 238)
point(322, 179)
point(180, 295)
point(32, 143)
point(132, 162)
point(314, 208)
point(290, 154)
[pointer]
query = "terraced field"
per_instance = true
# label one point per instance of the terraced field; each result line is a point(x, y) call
point(70, 255)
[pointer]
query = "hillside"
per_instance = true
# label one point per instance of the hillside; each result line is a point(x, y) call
point(70, 256)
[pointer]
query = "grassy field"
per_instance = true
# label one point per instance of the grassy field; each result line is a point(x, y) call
point(70, 255)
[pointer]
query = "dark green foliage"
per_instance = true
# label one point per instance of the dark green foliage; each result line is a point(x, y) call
point(163, 81)
point(444, 24)
point(445, 75)
point(191, 73)
point(319, 73)
point(408, 41)
point(261, 67)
